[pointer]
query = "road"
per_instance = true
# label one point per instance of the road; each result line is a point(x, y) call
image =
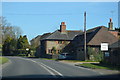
point(38, 68)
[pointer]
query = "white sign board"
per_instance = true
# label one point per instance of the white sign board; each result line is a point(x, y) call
point(104, 46)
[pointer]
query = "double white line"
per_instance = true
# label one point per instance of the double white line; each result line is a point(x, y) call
point(52, 71)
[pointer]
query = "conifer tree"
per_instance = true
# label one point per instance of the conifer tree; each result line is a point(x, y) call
point(25, 42)
point(6, 46)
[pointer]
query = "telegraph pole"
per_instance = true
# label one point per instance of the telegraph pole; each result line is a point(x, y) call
point(85, 35)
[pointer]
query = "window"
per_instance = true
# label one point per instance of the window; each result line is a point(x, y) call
point(49, 51)
point(106, 54)
point(59, 42)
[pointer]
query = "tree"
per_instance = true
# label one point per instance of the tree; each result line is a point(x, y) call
point(118, 29)
point(22, 45)
point(6, 29)
point(25, 42)
point(6, 46)
point(13, 46)
point(9, 46)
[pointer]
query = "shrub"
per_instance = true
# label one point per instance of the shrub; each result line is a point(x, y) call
point(97, 55)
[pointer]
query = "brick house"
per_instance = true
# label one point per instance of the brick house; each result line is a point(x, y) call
point(95, 37)
point(59, 41)
point(36, 43)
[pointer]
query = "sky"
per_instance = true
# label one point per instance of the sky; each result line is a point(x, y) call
point(37, 18)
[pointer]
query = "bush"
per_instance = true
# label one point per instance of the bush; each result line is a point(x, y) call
point(97, 55)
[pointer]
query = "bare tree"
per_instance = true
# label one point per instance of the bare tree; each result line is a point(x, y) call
point(6, 29)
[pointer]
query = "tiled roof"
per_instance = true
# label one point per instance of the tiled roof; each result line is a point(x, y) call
point(57, 35)
point(96, 36)
point(115, 45)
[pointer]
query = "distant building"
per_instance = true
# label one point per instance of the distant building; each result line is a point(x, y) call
point(36, 43)
point(72, 41)
point(59, 41)
point(114, 56)
point(95, 37)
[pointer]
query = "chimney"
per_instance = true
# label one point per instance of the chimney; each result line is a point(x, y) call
point(110, 24)
point(62, 27)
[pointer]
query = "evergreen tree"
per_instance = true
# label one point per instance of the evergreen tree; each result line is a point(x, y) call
point(9, 46)
point(6, 46)
point(13, 46)
point(25, 42)
point(20, 43)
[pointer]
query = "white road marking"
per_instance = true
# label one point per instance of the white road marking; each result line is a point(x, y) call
point(52, 69)
point(49, 69)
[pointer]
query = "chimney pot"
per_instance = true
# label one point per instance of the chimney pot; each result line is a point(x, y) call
point(110, 24)
point(110, 19)
point(62, 23)
point(62, 27)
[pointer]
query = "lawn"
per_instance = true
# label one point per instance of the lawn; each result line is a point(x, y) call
point(3, 60)
point(99, 66)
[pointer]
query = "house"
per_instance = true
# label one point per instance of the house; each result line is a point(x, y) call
point(114, 56)
point(94, 38)
point(58, 42)
point(36, 43)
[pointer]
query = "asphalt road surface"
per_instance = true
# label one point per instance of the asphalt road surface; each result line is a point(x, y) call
point(19, 67)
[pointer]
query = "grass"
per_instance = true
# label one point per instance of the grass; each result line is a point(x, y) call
point(48, 59)
point(100, 66)
point(3, 60)
point(78, 61)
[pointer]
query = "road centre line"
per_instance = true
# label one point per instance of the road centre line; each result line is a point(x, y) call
point(49, 69)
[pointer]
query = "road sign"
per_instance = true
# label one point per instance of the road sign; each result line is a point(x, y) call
point(104, 46)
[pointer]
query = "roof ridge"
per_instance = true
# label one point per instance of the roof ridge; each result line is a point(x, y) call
point(51, 34)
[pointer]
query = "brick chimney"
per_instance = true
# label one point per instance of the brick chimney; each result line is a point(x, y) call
point(62, 27)
point(110, 24)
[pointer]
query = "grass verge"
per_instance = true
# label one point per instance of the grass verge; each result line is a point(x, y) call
point(3, 60)
point(99, 66)
point(47, 59)
point(77, 61)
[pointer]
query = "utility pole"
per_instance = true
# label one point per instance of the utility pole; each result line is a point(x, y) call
point(85, 35)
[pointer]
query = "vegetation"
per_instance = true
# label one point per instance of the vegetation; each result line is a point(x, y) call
point(13, 43)
point(9, 30)
point(99, 66)
point(78, 61)
point(47, 59)
point(0, 50)
point(15, 47)
point(3, 60)
point(94, 55)
point(118, 29)
point(53, 50)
